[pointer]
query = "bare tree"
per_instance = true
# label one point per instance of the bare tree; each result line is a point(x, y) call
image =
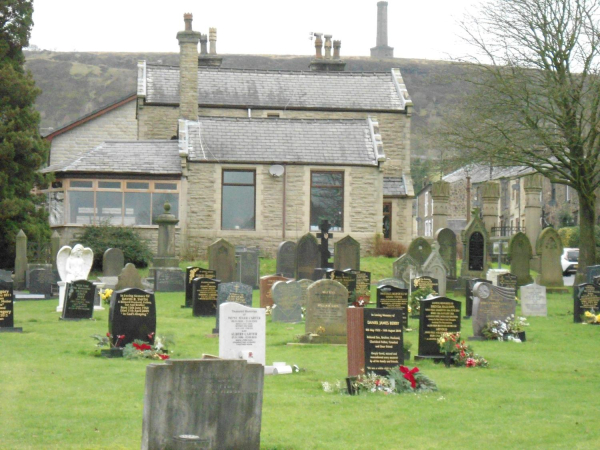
point(536, 96)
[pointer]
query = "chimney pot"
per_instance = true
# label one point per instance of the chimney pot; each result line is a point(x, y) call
point(328, 46)
point(187, 18)
point(336, 49)
point(203, 46)
point(319, 45)
point(212, 37)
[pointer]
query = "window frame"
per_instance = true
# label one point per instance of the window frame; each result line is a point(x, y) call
point(388, 214)
point(342, 187)
point(223, 184)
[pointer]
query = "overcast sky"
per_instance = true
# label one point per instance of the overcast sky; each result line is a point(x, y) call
point(423, 29)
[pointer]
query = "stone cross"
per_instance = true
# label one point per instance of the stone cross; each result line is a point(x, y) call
point(325, 235)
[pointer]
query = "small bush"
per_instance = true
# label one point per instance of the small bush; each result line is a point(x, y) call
point(389, 249)
point(102, 237)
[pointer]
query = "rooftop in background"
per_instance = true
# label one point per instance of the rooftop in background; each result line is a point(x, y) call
point(480, 173)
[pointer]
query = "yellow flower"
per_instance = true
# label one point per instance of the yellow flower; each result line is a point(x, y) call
point(598, 318)
point(588, 314)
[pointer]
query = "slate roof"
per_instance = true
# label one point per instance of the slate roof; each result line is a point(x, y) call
point(281, 89)
point(132, 157)
point(481, 173)
point(337, 142)
point(394, 187)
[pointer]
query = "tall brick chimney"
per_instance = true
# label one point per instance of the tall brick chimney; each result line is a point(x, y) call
point(382, 50)
point(188, 70)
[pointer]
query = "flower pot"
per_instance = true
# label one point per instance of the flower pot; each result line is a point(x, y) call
point(448, 359)
point(521, 335)
point(406, 355)
point(112, 353)
point(350, 385)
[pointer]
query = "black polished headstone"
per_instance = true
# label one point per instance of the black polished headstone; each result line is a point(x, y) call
point(7, 313)
point(437, 315)
point(347, 279)
point(192, 272)
point(383, 340)
point(392, 297)
point(204, 297)
point(426, 282)
point(586, 297)
point(476, 251)
point(469, 294)
point(133, 315)
point(363, 284)
point(508, 280)
point(79, 300)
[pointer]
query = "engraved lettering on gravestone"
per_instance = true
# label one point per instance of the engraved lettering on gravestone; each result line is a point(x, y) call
point(363, 284)
point(392, 282)
point(132, 314)
point(192, 272)
point(438, 315)
point(533, 300)
point(6, 305)
point(79, 301)
point(326, 310)
point(586, 297)
point(242, 333)
point(347, 279)
point(233, 292)
point(383, 340)
point(426, 282)
point(394, 298)
point(507, 280)
point(491, 303)
point(204, 297)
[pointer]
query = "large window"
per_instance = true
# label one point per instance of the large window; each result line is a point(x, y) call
point(238, 200)
point(327, 200)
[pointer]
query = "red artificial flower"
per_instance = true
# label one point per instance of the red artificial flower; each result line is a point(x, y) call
point(108, 334)
point(409, 374)
point(142, 347)
point(163, 357)
point(151, 335)
point(471, 362)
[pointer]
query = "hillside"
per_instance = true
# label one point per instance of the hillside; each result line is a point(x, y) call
point(75, 84)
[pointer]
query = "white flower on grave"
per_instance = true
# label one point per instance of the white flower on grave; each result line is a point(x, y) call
point(326, 386)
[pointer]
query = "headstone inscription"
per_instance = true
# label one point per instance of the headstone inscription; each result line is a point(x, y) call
point(324, 235)
point(233, 292)
point(266, 283)
point(346, 254)
point(363, 284)
point(347, 279)
point(533, 300)
point(191, 273)
point(447, 241)
point(508, 280)
point(247, 266)
point(79, 301)
point(549, 248)
point(72, 264)
point(426, 283)
point(287, 296)
point(286, 259)
point(520, 252)
point(113, 262)
point(592, 271)
point(7, 313)
point(204, 297)
point(586, 297)
point(392, 297)
point(392, 282)
point(169, 279)
point(326, 312)
point(375, 340)
point(129, 278)
point(492, 275)
point(221, 259)
point(307, 257)
point(469, 295)
point(490, 303)
point(437, 315)
point(202, 404)
point(132, 315)
point(242, 333)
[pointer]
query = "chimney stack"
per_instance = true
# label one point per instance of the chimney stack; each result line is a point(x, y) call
point(209, 57)
point(188, 70)
point(382, 50)
point(327, 63)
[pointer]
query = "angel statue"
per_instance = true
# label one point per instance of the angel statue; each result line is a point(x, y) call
point(74, 264)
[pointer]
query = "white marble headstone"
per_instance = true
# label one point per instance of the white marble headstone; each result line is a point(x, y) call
point(533, 300)
point(73, 264)
point(242, 333)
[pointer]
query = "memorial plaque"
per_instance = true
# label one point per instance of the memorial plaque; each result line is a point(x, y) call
point(586, 297)
point(266, 283)
point(41, 281)
point(286, 259)
point(437, 315)
point(326, 311)
point(392, 297)
point(375, 340)
point(533, 300)
point(169, 280)
point(347, 279)
point(242, 333)
point(363, 284)
point(304, 284)
point(426, 283)
point(591, 272)
point(490, 303)
point(392, 282)
point(133, 315)
point(469, 294)
point(113, 262)
point(307, 256)
point(221, 259)
point(192, 272)
point(287, 296)
point(7, 313)
point(79, 301)
point(234, 293)
point(346, 254)
point(507, 280)
point(476, 251)
point(247, 266)
point(205, 296)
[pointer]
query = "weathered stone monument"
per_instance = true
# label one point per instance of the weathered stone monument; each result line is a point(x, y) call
point(405, 268)
point(419, 250)
point(242, 332)
point(129, 278)
point(447, 242)
point(307, 256)
point(168, 277)
point(247, 266)
point(20, 260)
point(382, 50)
point(346, 254)
point(221, 259)
point(287, 297)
point(326, 312)
point(113, 261)
point(304, 284)
point(475, 248)
point(286, 259)
point(549, 249)
point(73, 264)
point(490, 303)
point(533, 300)
point(436, 267)
point(519, 250)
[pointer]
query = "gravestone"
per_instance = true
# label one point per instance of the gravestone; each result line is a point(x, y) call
point(425, 282)
point(287, 297)
point(346, 254)
point(304, 284)
point(392, 282)
point(596, 281)
point(169, 279)
point(405, 268)
point(247, 266)
point(72, 264)
point(592, 271)
point(129, 278)
point(133, 315)
point(41, 281)
point(113, 262)
point(286, 259)
point(469, 295)
point(519, 250)
point(475, 241)
point(79, 300)
point(375, 340)
point(549, 248)
point(34, 267)
point(242, 333)
point(436, 268)
point(307, 257)
point(347, 279)
point(437, 315)
point(533, 300)
point(419, 250)
point(221, 259)
point(191, 273)
point(363, 284)
point(508, 280)
point(266, 283)
point(447, 242)
point(5, 275)
point(202, 404)
point(492, 275)
point(586, 297)
point(233, 292)
point(7, 312)
point(392, 297)
point(205, 293)
point(324, 235)
point(326, 312)
point(490, 303)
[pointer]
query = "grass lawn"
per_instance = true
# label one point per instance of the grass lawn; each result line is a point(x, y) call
point(539, 394)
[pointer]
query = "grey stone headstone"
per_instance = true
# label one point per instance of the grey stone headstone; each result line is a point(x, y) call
point(326, 311)
point(533, 300)
point(549, 249)
point(346, 254)
point(419, 250)
point(286, 259)
point(266, 283)
point(247, 267)
point(129, 278)
point(5, 275)
point(392, 282)
point(169, 279)
point(232, 292)
point(436, 267)
point(41, 281)
point(519, 249)
point(447, 241)
point(221, 258)
point(405, 268)
point(304, 285)
point(307, 256)
point(209, 404)
point(287, 297)
point(491, 303)
point(242, 333)
point(113, 262)
point(32, 267)
point(592, 271)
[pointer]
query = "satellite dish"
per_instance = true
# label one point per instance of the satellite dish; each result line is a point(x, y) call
point(276, 170)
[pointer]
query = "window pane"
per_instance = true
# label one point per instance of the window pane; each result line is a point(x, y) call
point(165, 186)
point(56, 207)
point(235, 177)
point(81, 184)
point(158, 203)
point(326, 204)
point(327, 178)
point(137, 185)
point(109, 184)
point(137, 208)
point(109, 208)
point(238, 208)
point(81, 207)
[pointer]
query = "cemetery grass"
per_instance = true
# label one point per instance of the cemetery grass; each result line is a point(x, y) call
point(542, 393)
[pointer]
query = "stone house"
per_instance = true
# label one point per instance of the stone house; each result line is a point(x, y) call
point(255, 157)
